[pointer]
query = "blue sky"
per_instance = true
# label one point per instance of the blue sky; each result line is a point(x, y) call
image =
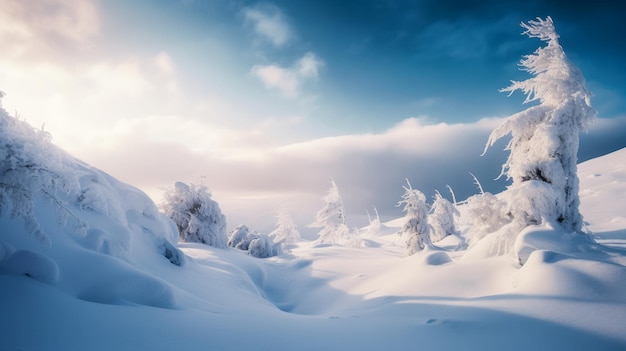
point(269, 100)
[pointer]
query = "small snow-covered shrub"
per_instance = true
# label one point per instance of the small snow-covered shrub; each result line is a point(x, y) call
point(197, 216)
point(442, 218)
point(332, 221)
point(241, 237)
point(262, 247)
point(484, 214)
point(286, 231)
point(415, 229)
point(257, 245)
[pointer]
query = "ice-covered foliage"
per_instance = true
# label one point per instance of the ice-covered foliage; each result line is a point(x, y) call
point(285, 232)
point(197, 216)
point(544, 138)
point(415, 229)
point(257, 245)
point(240, 237)
point(262, 247)
point(442, 218)
point(331, 220)
point(483, 214)
point(31, 167)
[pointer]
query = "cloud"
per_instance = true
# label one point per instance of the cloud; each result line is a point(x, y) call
point(309, 65)
point(269, 22)
point(289, 80)
point(32, 29)
point(164, 62)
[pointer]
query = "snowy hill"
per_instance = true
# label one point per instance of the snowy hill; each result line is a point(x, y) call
point(87, 262)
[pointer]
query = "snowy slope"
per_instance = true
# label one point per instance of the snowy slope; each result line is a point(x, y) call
point(107, 284)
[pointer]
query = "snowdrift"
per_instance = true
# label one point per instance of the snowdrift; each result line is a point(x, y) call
point(66, 224)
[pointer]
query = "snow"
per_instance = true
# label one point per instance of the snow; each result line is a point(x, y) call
point(73, 296)
point(322, 296)
point(89, 263)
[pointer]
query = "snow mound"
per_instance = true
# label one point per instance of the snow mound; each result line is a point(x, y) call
point(32, 265)
point(548, 273)
point(67, 224)
point(130, 288)
point(548, 237)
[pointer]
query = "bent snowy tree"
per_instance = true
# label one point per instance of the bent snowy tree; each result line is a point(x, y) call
point(545, 138)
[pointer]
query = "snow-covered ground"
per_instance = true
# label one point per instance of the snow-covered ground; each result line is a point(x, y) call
point(103, 274)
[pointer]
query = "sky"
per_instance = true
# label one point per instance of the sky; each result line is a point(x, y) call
point(266, 102)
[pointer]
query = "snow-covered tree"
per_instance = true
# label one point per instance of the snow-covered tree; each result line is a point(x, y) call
point(544, 138)
point(442, 216)
point(285, 231)
point(415, 229)
point(197, 216)
point(331, 220)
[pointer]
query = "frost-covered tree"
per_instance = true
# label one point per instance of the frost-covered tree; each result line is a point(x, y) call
point(544, 138)
point(197, 216)
point(415, 229)
point(331, 220)
point(442, 216)
point(285, 231)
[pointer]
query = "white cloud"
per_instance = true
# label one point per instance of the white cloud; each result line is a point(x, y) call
point(274, 77)
point(309, 65)
point(31, 29)
point(289, 80)
point(125, 77)
point(164, 62)
point(269, 22)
